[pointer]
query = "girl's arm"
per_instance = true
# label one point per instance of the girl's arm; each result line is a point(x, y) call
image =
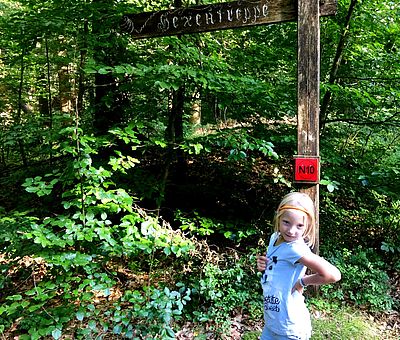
point(323, 271)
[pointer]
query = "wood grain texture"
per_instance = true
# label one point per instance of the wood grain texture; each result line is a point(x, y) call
point(308, 87)
point(220, 16)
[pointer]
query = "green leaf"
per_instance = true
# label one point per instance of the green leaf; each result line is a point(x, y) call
point(80, 314)
point(56, 334)
point(162, 84)
point(31, 189)
point(330, 187)
point(117, 329)
point(175, 86)
point(92, 324)
point(14, 297)
point(105, 70)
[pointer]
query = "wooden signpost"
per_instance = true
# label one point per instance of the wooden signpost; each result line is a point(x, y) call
point(244, 13)
point(308, 77)
point(214, 17)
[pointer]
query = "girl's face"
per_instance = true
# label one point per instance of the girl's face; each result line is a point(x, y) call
point(292, 224)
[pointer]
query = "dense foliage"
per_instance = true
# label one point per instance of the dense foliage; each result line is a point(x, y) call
point(139, 177)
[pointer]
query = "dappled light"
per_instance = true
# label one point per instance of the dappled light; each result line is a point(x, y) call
point(139, 178)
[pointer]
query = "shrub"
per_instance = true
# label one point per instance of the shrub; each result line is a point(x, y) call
point(65, 261)
point(364, 281)
point(225, 286)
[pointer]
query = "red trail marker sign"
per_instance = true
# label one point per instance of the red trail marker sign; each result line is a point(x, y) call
point(306, 169)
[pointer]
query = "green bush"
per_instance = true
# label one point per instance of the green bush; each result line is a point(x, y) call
point(364, 281)
point(64, 263)
point(225, 287)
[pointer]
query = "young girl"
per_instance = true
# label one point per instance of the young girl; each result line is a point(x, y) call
point(284, 266)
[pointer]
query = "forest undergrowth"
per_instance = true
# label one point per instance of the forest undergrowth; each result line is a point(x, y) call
point(188, 272)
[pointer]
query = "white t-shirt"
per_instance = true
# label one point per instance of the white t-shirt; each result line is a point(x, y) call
point(285, 313)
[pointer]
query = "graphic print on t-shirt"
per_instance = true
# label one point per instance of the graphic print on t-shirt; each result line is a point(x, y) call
point(270, 266)
point(272, 303)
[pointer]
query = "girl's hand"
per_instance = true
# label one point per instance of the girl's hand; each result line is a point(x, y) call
point(261, 262)
point(298, 287)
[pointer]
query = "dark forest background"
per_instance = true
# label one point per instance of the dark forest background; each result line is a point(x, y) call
point(138, 178)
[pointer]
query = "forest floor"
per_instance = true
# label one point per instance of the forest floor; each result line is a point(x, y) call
point(345, 323)
point(352, 325)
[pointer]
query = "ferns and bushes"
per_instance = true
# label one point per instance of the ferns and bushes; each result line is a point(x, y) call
point(94, 263)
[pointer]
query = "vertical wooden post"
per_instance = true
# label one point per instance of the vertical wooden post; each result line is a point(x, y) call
point(308, 73)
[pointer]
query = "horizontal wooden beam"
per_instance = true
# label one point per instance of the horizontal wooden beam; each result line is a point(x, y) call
point(214, 17)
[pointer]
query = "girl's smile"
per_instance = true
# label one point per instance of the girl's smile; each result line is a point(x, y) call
point(292, 224)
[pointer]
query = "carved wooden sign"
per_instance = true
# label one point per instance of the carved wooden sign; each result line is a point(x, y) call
point(204, 18)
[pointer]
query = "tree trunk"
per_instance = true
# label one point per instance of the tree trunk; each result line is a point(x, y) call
point(65, 90)
point(81, 79)
point(108, 101)
point(49, 97)
point(104, 115)
point(175, 119)
point(43, 100)
point(336, 63)
point(195, 114)
point(19, 111)
point(174, 136)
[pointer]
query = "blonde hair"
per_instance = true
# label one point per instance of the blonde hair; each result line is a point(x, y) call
point(302, 202)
